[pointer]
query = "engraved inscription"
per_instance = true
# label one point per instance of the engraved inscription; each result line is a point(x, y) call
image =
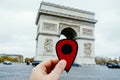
point(48, 45)
point(49, 26)
point(87, 49)
point(88, 32)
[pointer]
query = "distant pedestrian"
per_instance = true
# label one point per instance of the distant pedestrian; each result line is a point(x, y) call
point(28, 63)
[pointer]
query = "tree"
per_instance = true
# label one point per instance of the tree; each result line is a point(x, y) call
point(27, 59)
point(115, 61)
point(32, 59)
point(9, 58)
point(100, 60)
point(1, 59)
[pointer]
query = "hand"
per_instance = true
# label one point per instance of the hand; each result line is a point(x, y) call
point(48, 70)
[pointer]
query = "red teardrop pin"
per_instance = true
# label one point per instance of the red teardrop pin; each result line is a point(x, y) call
point(67, 49)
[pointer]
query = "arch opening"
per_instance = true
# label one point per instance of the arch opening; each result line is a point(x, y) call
point(68, 33)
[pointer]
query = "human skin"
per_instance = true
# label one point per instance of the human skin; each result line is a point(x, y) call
point(50, 69)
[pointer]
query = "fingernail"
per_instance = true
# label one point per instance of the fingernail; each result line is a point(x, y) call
point(63, 62)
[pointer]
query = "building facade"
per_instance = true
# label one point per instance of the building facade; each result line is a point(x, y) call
point(55, 20)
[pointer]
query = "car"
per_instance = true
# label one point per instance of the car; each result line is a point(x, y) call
point(76, 65)
point(7, 62)
point(112, 65)
point(35, 63)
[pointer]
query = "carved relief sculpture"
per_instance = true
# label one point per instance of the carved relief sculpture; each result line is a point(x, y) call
point(49, 26)
point(48, 45)
point(87, 49)
point(53, 20)
point(88, 32)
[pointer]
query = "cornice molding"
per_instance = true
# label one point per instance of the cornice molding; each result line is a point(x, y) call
point(47, 34)
point(84, 38)
point(67, 8)
point(64, 15)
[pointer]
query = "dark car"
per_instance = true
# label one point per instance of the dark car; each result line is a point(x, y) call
point(112, 65)
point(35, 63)
point(7, 63)
point(76, 65)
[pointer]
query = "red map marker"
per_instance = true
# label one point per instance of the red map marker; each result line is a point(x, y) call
point(67, 49)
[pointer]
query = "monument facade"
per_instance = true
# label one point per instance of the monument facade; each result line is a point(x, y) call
point(55, 20)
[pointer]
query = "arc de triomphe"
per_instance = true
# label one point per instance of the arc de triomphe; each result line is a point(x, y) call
point(53, 20)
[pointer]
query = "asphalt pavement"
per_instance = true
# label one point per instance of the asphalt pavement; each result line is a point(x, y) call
point(22, 72)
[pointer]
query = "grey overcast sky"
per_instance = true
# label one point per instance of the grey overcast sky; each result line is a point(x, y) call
point(18, 29)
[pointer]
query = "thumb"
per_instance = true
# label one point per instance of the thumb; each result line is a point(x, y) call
point(57, 71)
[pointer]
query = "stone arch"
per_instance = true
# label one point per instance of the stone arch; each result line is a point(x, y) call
point(72, 23)
point(69, 33)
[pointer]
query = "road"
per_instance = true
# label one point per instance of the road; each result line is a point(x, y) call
point(15, 72)
point(22, 72)
point(92, 73)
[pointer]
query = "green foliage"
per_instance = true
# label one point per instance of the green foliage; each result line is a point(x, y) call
point(1, 59)
point(100, 61)
point(9, 58)
point(32, 59)
point(29, 59)
point(113, 61)
point(104, 60)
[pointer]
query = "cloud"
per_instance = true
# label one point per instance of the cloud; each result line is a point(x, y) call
point(17, 32)
point(18, 29)
point(107, 34)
